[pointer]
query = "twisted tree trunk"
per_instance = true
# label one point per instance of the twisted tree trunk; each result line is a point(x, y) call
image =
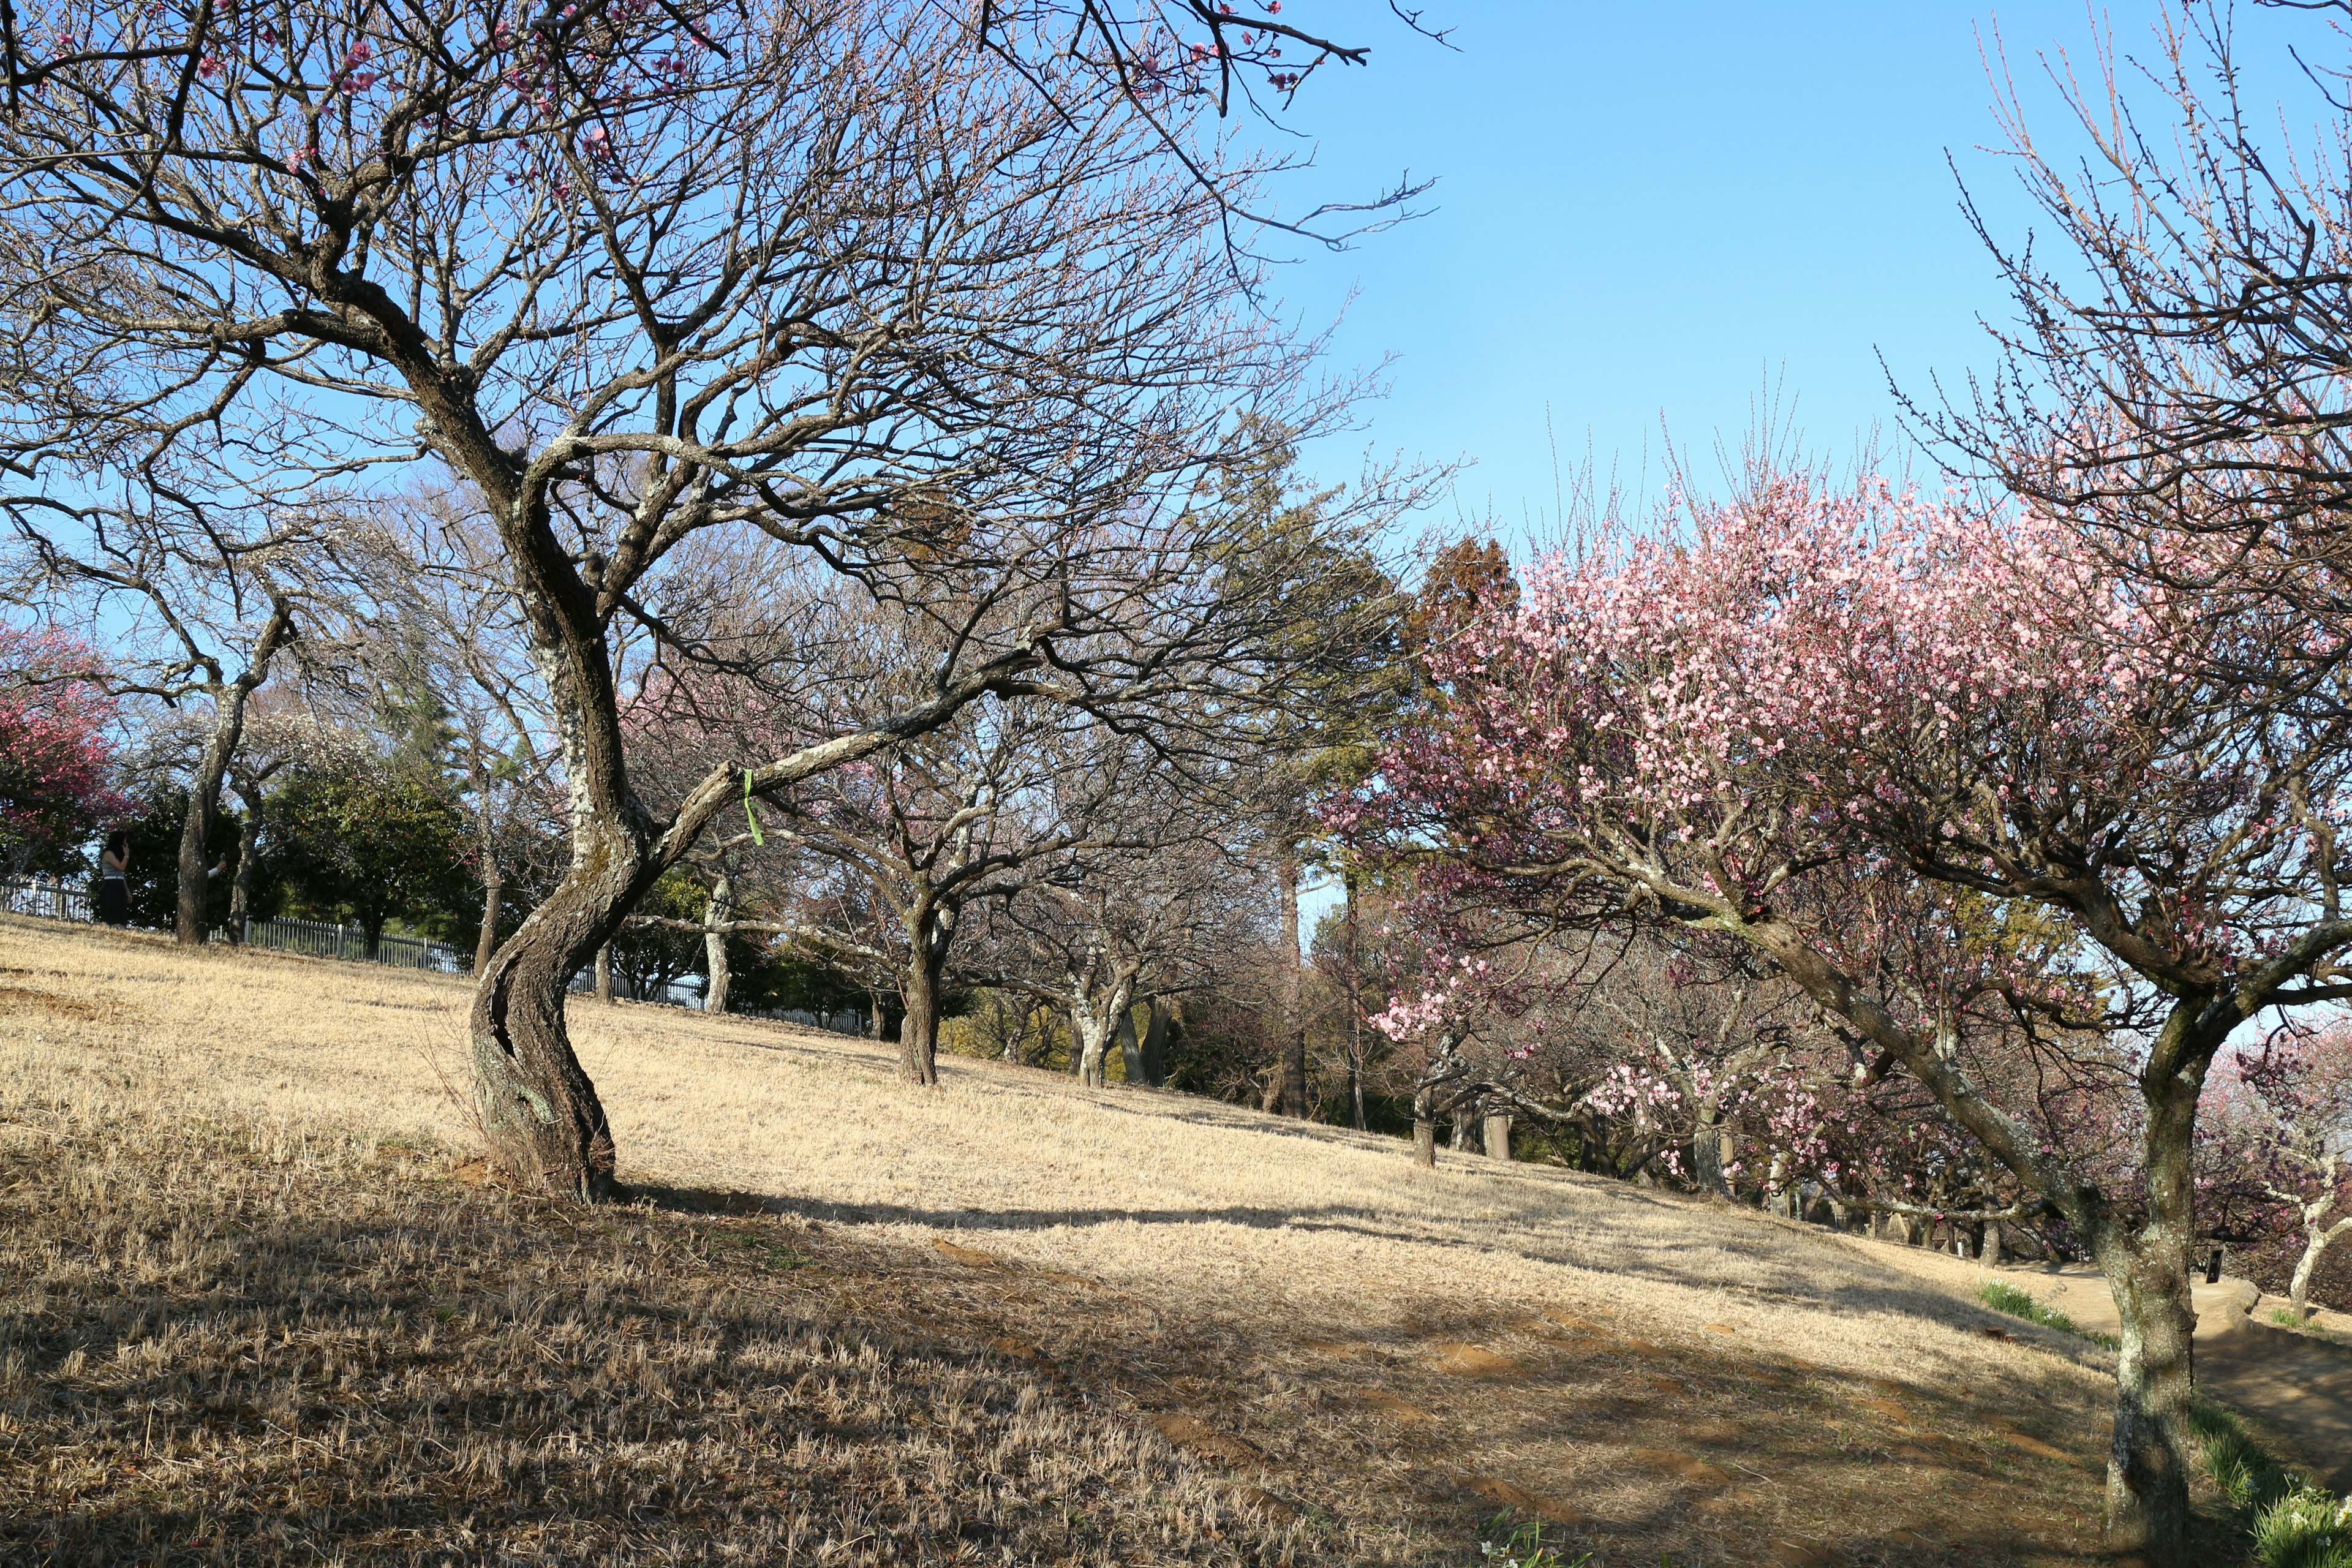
point(546, 1127)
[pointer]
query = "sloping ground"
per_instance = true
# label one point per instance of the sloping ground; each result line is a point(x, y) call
point(1352, 1360)
point(2296, 1387)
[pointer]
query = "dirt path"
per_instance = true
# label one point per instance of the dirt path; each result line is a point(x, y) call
point(2298, 1385)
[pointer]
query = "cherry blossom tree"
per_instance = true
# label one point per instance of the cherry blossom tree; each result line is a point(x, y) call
point(57, 751)
point(1844, 729)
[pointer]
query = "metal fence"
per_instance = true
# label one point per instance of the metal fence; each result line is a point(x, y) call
point(45, 897)
point(324, 939)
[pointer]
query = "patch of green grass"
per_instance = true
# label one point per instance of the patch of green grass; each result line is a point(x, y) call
point(2242, 1471)
point(2305, 1528)
point(2293, 1523)
point(2008, 1299)
point(772, 1254)
point(1508, 1545)
point(2287, 1317)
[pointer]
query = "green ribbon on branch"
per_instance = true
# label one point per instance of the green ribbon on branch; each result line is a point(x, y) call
point(748, 816)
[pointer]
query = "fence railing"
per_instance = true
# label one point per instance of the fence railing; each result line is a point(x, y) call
point(325, 939)
point(45, 897)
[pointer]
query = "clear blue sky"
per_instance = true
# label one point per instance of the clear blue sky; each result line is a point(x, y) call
point(1649, 217)
point(1648, 212)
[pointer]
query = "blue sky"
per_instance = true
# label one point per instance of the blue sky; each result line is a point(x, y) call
point(1654, 218)
point(1649, 212)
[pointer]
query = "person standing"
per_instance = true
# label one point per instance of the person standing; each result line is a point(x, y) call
point(113, 886)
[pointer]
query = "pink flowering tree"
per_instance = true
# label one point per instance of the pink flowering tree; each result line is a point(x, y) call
point(2016, 828)
point(57, 760)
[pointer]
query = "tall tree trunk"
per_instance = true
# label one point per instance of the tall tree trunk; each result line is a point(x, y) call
point(493, 875)
point(716, 915)
point(229, 698)
point(487, 943)
point(1294, 1015)
point(2148, 1274)
point(1096, 1026)
point(547, 1128)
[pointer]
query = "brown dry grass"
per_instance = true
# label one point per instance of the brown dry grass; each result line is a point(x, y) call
point(1036, 1323)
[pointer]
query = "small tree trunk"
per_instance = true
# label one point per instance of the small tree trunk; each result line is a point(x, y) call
point(918, 1026)
point(240, 895)
point(1155, 1043)
point(1424, 1142)
point(1499, 1137)
point(716, 915)
point(1294, 1017)
point(2316, 1237)
point(1355, 1006)
point(1707, 1149)
point(604, 973)
point(487, 943)
point(1096, 1026)
point(2298, 1289)
point(1994, 1242)
point(1131, 1048)
point(1461, 1136)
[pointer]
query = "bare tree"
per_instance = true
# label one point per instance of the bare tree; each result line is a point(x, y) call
point(198, 603)
point(435, 617)
point(630, 274)
point(1121, 925)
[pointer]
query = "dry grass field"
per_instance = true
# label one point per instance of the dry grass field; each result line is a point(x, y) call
point(261, 1309)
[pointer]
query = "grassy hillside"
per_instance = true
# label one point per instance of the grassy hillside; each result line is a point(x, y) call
point(270, 1315)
